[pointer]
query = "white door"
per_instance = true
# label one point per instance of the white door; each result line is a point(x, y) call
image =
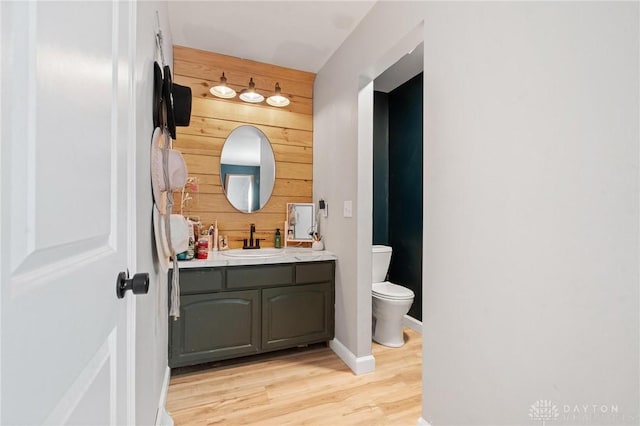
point(66, 141)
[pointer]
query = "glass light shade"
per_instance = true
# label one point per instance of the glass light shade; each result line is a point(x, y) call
point(225, 92)
point(277, 100)
point(250, 94)
point(253, 97)
point(222, 90)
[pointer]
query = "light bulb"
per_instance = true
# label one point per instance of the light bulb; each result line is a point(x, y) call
point(222, 90)
point(250, 94)
point(277, 100)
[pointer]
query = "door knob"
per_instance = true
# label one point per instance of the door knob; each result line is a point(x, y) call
point(139, 284)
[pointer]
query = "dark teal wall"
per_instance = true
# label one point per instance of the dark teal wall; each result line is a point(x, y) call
point(380, 168)
point(405, 188)
point(397, 216)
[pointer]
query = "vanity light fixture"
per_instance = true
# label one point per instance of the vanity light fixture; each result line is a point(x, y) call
point(250, 94)
point(222, 90)
point(277, 100)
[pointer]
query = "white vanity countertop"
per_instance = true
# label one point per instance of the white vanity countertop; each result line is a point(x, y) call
point(288, 255)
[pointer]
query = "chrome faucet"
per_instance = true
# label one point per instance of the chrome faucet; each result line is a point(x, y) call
point(252, 229)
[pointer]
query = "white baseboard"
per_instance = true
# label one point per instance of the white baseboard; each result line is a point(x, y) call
point(163, 418)
point(423, 422)
point(361, 365)
point(412, 323)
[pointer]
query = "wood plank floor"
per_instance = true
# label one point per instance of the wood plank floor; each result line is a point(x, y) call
point(310, 386)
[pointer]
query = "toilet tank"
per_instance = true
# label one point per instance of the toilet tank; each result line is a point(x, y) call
point(380, 259)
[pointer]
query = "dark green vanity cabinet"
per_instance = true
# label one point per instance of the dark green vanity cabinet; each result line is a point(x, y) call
point(232, 311)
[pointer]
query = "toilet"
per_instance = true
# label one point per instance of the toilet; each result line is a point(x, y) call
point(391, 302)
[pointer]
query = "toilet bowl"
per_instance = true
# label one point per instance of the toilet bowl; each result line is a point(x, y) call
point(390, 301)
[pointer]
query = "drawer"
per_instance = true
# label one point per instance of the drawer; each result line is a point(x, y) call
point(314, 272)
point(259, 276)
point(199, 280)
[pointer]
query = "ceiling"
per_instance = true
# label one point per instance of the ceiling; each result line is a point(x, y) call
point(294, 34)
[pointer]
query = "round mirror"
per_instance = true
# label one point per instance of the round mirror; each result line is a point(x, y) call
point(247, 169)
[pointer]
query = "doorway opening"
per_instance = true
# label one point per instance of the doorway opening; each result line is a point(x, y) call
point(395, 69)
point(397, 172)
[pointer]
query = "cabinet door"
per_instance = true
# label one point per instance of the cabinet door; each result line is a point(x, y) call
point(215, 326)
point(297, 315)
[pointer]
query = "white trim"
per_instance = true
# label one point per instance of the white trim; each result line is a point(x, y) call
point(2, 204)
point(364, 217)
point(131, 359)
point(132, 250)
point(361, 365)
point(163, 418)
point(423, 422)
point(412, 323)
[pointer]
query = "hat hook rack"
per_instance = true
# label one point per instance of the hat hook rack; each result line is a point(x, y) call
point(159, 38)
point(159, 43)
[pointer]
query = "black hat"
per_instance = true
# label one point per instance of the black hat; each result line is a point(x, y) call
point(168, 101)
point(157, 96)
point(181, 104)
point(177, 100)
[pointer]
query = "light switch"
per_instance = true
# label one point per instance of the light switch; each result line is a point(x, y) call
point(348, 209)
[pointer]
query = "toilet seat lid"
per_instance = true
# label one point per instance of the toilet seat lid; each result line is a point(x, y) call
point(389, 290)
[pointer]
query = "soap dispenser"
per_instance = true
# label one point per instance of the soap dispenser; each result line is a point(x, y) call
point(278, 243)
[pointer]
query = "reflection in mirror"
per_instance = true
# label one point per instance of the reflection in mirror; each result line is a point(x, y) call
point(240, 191)
point(247, 169)
point(300, 223)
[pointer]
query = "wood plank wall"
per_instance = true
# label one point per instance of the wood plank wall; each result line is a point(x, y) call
point(289, 130)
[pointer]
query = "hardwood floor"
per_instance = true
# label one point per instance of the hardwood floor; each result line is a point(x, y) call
point(310, 386)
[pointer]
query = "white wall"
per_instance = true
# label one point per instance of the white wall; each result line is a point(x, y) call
point(151, 326)
point(337, 176)
point(531, 187)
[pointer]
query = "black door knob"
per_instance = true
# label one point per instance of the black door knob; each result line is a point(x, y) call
point(139, 284)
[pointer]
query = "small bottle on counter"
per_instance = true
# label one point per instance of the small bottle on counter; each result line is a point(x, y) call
point(191, 249)
point(203, 248)
point(278, 243)
point(210, 237)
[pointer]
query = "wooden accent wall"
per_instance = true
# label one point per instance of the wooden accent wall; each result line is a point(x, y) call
point(289, 129)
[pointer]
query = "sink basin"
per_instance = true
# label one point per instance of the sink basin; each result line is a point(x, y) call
point(253, 253)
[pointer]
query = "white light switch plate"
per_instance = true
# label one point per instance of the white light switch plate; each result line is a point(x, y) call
point(348, 209)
